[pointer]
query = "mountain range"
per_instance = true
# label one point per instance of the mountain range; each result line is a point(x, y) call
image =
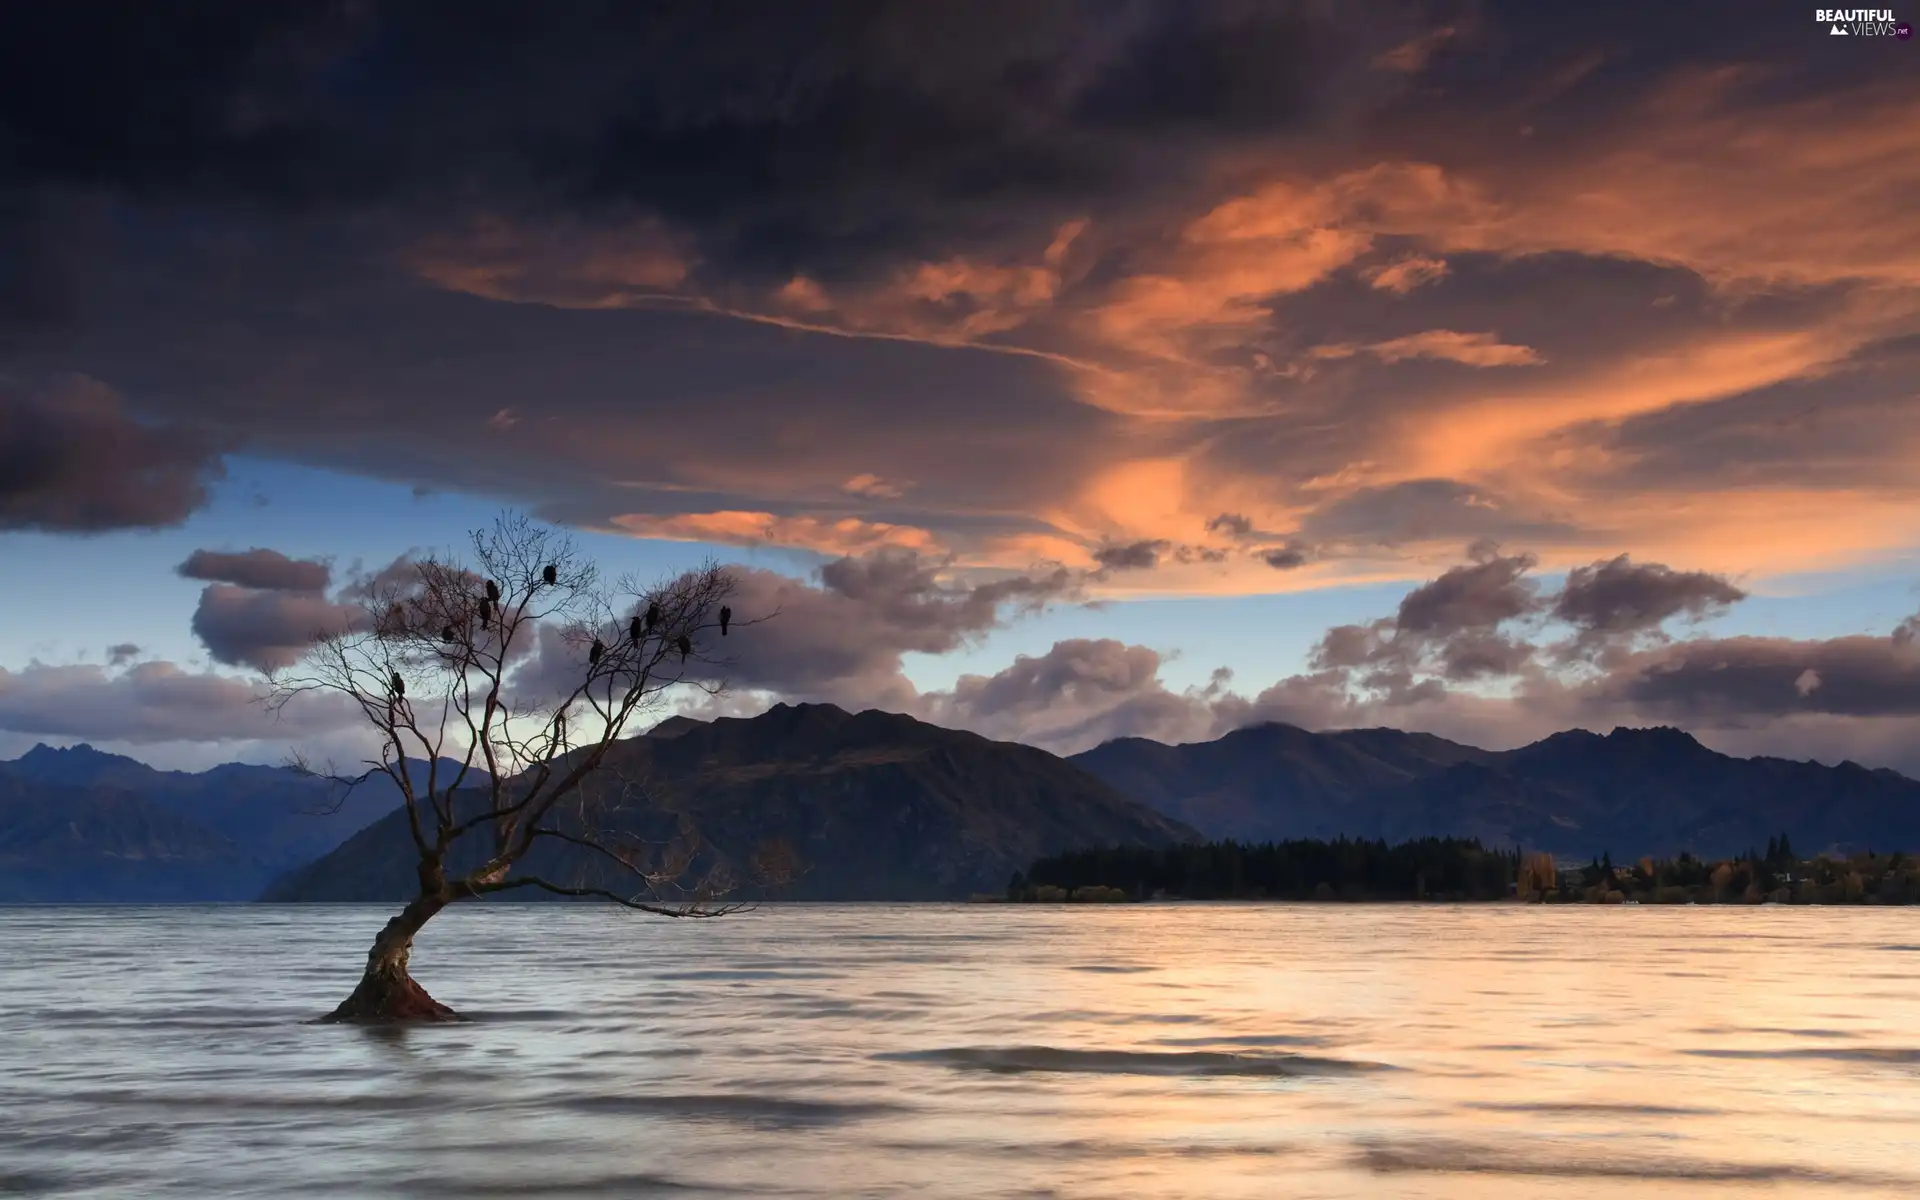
point(1577, 794)
point(882, 806)
point(874, 804)
point(78, 825)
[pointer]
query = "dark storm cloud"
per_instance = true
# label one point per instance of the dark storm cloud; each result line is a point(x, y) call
point(1481, 655)
point(1749, 678)
point(1479, 596)
point(1081, 692)
point(267, 570)
point(1284, 558)
point(1620, 597)
point(717, 414)
point(121, 653)
point(305, 221)
point(1131, 556)
point(264, 610)
point(267, 631)
point(72, 460)
point(1233, 525)
point(841, 636)
point(791, 136)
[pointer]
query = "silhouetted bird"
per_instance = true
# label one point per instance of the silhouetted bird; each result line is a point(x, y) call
point(686, 647)
point(551, 574)
point(726, 616)
point(399, 685)
point(633, 629)
point(493, 590)
point(486, 610)
point(449, 634)
point(653, 616)
point(598, 649)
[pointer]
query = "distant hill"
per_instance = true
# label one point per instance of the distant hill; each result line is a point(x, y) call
point(88, 825)
point(1632, 792)
point(877, 806)
point(66, 845)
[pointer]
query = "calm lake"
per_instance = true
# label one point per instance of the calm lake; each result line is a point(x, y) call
point(870, 1050)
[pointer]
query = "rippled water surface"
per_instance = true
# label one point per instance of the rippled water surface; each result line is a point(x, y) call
point(844, 1051)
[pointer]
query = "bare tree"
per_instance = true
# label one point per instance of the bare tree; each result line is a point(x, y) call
point(493, 750)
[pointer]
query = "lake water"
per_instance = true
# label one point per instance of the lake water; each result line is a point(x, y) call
point(867, 1050)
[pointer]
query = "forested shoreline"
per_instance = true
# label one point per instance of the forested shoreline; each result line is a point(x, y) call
point(1361, 870)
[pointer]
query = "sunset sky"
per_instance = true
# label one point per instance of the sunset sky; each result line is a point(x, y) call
point(1059, 371)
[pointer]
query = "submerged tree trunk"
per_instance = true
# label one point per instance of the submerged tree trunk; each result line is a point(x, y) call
point(386, 991)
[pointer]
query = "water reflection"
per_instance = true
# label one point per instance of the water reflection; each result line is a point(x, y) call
point(1230, 1051)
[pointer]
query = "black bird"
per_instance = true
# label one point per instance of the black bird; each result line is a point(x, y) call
point(551, 574)
point(399, 685)
point(653, 616)
point(686, 647)
point(493, 590)
point(593, 655)
point(449, 634)
point(486, 610)
point(726, 616)
point(633, 629)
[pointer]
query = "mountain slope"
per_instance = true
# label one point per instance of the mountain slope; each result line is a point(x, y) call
point(66, 845)
point(1270, 781)
point(1632, 792)
point(877, 806)
point(275, 814)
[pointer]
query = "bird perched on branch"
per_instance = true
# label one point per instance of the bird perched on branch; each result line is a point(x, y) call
point(550, 575)
point(398, 684)
point(595, 652)
point(634, 632)
point(685, 646)
point(486, 610)
point(726, 617)
point(448, 634)
point(653, 616)
point(493, 591)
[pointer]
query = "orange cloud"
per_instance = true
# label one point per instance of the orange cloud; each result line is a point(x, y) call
point(873, 487)
point(953, 302)
point(1811, 191)
point(1178, 335)
point(1469, 349)
point(566, 264)
point(822, 535)
point(1406, 274)
point(1410, 57)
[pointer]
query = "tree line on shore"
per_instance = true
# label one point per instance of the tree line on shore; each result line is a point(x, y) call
point(1459, 869)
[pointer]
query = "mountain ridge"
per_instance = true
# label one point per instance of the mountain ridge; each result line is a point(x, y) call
point(878, 806)
point(942, 811)
point(268, 819)
point(1632, 791)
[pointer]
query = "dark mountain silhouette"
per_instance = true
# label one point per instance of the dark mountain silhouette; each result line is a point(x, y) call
point(1632, 792)
point(877, 806)
point(881, 806)
point(68, 845)
point(89, 825)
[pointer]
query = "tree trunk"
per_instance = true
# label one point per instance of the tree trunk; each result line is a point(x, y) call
point(386, 991)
